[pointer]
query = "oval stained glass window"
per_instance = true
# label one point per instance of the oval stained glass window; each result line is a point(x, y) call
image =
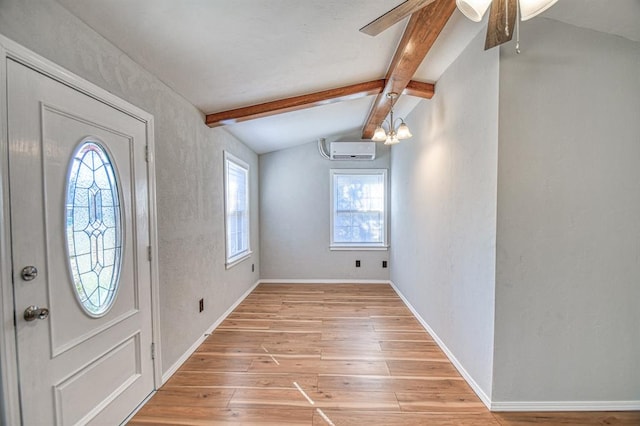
point(93, 228)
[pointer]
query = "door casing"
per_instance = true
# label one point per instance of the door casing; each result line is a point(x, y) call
point(9, 383)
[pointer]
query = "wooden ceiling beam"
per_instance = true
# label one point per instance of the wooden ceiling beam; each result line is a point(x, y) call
point(419, 89)
point(354, 91)
point(421, 32)
point(324, 97)
point(394, 16)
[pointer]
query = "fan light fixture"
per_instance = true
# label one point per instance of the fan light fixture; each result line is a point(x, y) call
point(475, 9)
point(393, 136)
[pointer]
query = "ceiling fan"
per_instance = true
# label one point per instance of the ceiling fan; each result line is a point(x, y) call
point(502, 17)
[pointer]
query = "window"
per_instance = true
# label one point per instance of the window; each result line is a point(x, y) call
point(358, 209)
point(93, 228)
point(236, 200)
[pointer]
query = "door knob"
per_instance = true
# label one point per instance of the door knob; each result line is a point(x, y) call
point(33, 313)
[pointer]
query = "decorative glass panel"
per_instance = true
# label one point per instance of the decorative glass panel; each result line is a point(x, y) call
point(93, 228)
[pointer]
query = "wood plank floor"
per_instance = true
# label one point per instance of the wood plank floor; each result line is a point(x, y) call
point(329, 354)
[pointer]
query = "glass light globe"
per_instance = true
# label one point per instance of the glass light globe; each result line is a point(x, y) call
point(379, 135)
point(403, 132)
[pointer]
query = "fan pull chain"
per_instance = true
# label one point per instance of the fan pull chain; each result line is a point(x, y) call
point(518, 27)
point(506, 18)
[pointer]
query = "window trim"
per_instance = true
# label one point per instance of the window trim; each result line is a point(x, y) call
point(231, 261)
point(358, 245)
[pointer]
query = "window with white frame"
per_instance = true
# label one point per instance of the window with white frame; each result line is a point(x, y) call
point(236, 200)
point(358, 208)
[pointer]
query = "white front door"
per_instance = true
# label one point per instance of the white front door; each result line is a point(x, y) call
point(79, 231)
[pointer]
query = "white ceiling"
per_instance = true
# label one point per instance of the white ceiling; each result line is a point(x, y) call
point(224, 54)
point(619, 17)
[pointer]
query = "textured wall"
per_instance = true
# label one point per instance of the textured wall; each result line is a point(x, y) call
point(188, 168)
point(444, 209)
point(568, 262)
point(295, 214)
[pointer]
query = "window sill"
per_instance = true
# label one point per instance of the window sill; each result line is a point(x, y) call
point(237, 260)
point(358, 248)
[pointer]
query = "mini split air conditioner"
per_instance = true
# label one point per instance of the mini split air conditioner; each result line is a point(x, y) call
point(353, 150)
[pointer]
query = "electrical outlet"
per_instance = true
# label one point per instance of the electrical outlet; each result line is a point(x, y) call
point(384, 263)
point(201, 305)
point(357, 263)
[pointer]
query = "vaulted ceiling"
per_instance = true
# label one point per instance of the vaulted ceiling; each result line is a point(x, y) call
point(222, 55)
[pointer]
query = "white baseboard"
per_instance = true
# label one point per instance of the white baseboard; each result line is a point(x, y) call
point(467, 377)
point(326, 281)
point(519, 406)
point(565, 406)
point(167, 374)
point(171, 370)
point(498, 406)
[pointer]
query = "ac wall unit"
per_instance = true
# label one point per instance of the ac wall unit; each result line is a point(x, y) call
point(353, 150)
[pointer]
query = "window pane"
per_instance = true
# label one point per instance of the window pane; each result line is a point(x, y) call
point(237, 208)
point(93, 228)
point(359, 207)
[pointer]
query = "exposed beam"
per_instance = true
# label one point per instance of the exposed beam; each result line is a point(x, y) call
point(354, 91)
point(325, 97)
point(422, 31)
point(394, 16)
point(419, 89)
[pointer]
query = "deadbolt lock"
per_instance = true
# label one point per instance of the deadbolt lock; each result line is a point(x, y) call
point(29, 273)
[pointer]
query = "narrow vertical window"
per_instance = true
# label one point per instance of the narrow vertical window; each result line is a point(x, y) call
point(358, 208)
point(236, 189)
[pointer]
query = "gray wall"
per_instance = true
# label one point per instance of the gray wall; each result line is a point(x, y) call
point(566, 271)
point(188, 167)
point(444, 210)
point(295, 214)
point(568, 237)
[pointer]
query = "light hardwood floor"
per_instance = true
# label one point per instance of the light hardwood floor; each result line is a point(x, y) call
point(329, 354)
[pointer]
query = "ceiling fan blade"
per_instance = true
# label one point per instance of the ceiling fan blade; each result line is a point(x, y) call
point(497, 30)
point(394, 16)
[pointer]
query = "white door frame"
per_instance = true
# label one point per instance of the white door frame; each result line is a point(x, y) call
point(9, 395)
